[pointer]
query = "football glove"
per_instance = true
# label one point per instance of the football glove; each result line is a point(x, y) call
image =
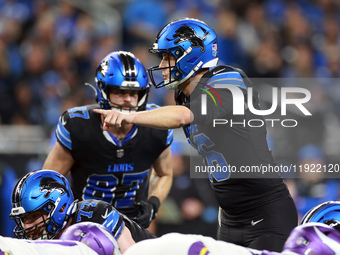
point(148, 211)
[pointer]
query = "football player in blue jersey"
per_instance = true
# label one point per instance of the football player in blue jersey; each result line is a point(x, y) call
point(43, 207)
point(114, 164)
point(256, 209)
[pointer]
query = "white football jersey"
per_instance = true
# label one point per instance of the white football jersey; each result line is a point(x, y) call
point(11, 246)
point(181, 244)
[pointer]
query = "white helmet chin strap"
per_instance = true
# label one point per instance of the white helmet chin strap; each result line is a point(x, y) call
point(174, 85)
point(120, 108)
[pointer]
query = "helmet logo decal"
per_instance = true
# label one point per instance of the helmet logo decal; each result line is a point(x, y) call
point(186, 33)
point(214, 50)
point(129, 66)
point(49, 184)
point(302, 241)
point(104, 67)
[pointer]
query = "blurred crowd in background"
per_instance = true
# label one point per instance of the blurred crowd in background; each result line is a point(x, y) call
point(49, 49)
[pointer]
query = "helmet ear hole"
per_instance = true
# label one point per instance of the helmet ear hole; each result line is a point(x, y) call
point(178, 74)
point(178, 52)
point(49, 207)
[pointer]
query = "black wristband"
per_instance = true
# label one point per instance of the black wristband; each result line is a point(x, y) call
point(155, 202)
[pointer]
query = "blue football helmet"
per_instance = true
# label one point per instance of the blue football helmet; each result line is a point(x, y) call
point(41, 193)
point(94, 235)
point(194, 45)
point(313, 238)
point(121, 70)
point(327, 212)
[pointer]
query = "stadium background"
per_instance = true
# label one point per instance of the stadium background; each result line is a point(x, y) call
point(49, 49)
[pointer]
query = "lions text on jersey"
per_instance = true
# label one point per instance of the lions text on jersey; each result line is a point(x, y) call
point(105, 167)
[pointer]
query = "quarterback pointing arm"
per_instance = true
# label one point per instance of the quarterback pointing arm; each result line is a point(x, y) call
point(257, 210)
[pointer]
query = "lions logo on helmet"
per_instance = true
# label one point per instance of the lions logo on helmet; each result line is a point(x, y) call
point(44, 192)
point(193, 44)
point(49, 185)
point(187, 33)
point(121, 70)
point(103, 67)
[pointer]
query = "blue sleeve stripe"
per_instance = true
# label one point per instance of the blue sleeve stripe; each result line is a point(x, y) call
point(112, 221)
point(232, 78)
point(64, 136)
point(170, 136)
point(233, 75)
point(152, 106)
point(229, 81)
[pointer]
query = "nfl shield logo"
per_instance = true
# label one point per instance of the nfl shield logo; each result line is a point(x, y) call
point(214, 49)
point(120, 153)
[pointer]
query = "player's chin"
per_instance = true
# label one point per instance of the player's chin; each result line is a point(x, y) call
point(123, 108)
point(128, 108)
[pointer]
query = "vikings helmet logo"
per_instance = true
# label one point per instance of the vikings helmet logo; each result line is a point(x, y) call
point(49, 184)
point(198, 248)
point(186, 33)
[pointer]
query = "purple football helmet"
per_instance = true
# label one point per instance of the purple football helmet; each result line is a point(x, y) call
point(94, 235)
point(313, 239)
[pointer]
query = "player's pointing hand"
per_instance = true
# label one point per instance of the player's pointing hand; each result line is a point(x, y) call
point(113, 118)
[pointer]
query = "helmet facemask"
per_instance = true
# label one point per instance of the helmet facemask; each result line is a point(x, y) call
point(29, 233)
point(192, 43)
point(174, 72)
point(105, 103)
point(43, 230)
